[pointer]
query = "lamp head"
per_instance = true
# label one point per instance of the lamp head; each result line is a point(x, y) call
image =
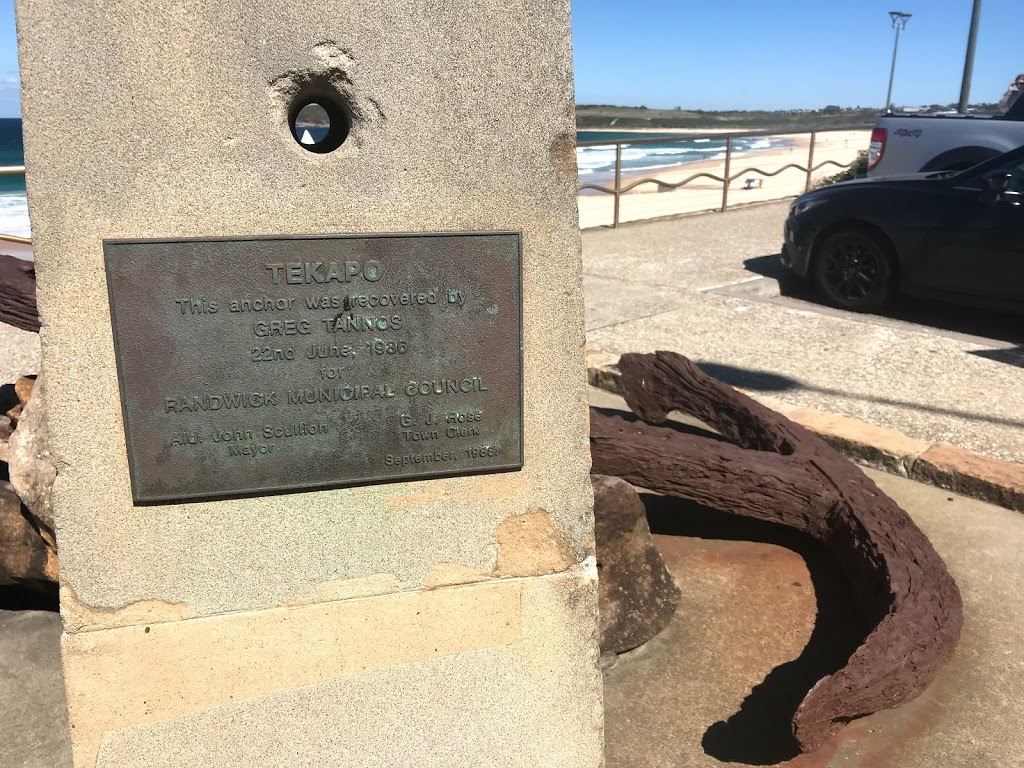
point(899, 18)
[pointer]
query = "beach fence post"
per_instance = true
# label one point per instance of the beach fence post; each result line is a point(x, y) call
point(810, 162)
point(728, 164)
point(618, 182)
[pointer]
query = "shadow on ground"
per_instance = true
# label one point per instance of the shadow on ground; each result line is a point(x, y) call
point(749, 378)
point(766, 381)
point(934, 314)
point(760, 732)
point(41, 598)
point(1013, 356)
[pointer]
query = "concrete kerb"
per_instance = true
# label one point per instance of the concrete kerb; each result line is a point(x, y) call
point(938, 464)
point(688, 214)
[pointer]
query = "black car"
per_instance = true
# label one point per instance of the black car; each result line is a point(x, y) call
point(955, 235)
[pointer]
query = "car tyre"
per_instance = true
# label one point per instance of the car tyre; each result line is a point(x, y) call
point(855, 269)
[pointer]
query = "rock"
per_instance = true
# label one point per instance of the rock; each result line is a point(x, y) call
point(25, 557)
point(6, 429)
point(31, 466)
point(15, 413)
point(636, 594)
point(23, 388)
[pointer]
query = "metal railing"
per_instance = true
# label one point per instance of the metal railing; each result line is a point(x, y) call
point(725, 180)
point(618, 190)
point(13, 170)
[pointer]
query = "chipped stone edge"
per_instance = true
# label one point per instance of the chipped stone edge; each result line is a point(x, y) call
point(938, 464)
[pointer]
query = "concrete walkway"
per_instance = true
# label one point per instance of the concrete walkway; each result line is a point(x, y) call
point(20, 353)
point(33, 707)
point(706, 286)
point(763, 616)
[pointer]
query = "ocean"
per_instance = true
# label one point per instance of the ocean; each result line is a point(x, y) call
point(596, 164)
point(13, 204)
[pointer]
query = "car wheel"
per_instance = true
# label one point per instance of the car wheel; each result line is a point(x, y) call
point(854, 269)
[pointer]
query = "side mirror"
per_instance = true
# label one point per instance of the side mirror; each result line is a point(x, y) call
point(994, 186)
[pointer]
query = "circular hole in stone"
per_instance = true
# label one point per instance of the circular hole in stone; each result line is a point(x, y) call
point(320, 123)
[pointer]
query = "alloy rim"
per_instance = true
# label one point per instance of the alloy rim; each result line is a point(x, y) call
point(853, 268)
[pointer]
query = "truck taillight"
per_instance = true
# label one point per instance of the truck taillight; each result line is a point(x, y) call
point(877, 147)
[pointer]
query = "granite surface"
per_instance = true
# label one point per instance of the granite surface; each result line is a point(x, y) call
point(462, 120)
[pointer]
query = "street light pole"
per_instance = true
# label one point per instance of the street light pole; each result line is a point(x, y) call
point(899, 22)
point(972, 38)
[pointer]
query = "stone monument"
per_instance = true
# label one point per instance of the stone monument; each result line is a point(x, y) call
point(310, 284)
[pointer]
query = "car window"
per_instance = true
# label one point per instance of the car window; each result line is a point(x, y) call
point(976, 179)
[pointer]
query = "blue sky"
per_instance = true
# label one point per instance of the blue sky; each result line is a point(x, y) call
point(755, 54)
point(784, 54)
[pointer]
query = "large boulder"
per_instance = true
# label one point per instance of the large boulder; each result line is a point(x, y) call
point(23, 388)
point(20, 391)
point(636, 594)
point(32, 470)
point(25, 557)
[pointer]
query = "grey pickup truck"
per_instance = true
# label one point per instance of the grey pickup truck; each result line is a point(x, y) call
point(908, 143)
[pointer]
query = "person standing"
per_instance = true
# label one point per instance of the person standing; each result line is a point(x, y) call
point(1012, 93)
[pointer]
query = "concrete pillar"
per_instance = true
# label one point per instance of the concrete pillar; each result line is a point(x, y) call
point(423, 622)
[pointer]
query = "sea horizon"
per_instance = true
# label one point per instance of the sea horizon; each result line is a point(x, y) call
point(596, 165)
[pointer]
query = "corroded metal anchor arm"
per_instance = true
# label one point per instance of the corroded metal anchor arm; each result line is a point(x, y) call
point(773, 469)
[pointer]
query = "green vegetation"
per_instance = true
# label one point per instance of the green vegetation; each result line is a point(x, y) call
point(858, 170)
point(591, 116)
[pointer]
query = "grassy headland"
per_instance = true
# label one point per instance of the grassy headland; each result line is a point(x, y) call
point(595, 116)
point(598, 116)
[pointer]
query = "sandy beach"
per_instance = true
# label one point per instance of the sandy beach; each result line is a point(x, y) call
point(648, 201)
point(16, 249)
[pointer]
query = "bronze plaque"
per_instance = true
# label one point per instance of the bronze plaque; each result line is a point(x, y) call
point(257, 365)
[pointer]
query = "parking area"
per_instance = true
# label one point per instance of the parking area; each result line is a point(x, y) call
point(711, 287)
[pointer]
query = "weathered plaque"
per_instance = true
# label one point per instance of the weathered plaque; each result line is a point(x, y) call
point(265, 364)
